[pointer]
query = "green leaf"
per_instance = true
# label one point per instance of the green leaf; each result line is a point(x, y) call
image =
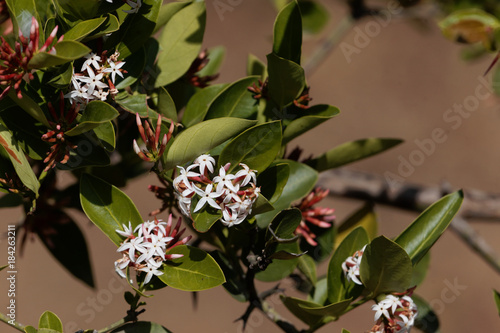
point(426, 320)
point(65, 51)
point(136, 103)
point(51, 321)
point(256, 147)
point(307, 266)
point(205, 218)
point(261, 205)
point(352, 151)
point(107, 207)
point(280, 269)
point(235, 283)
point(471, 26)
point(89, 152)
point(301, 181)
point(63, 76)
point(134, 67)
point(420, 270)
point(23, 169)
point(272, 181)
point(385, 267)
point(29, 105)
point(105, 132)
point(21, 12)
point(67, 244)
point(419, 237)
point(180, 42)
point(202, 137)
point(288, 33)
point(167, 11)
point(30, 329)
point(10, 200)
point(338, 287)
point(364, 217)
point(332, 310)
point(286, 80)
point(215, 59)
point(166, 105)
point(136, 28)
point(199, 103)
point(235, 101)
point(316, 115)
point(496, 296)
point(345, 331)
point(83, 29)
point(255, 67)
point(76, 11)
point(285, 223)
point(296, 306)
point(319, 294)
point(95, 114)
point(314, 16)
point(141, 327)
point(110, 25)
point(195, 271)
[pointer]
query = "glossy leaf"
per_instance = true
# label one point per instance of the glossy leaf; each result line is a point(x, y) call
point(314, 16)
point(141, 327)
point(202, 137)
point(285, 223)
point(216, 57)
point(205, 218)
point(63, 79)
point(76, 11)
point(107, 207)
point(419, 237)
point(295, 306)
point(364, 217)
point(167, 11)
point(65, 51)
point(105, 132)
point(316, 115)
point(279, 269)
point(307, 266)
point(23, 169)
point(261, 205)
point(338, 288)
point(286, 80)
point(301, 181)
point(166, 105)
point(320, 293)
point(332, 310)
point(83, 29)
point(352, 151)
point(385, 267)
point(195, 271)
point(67, 244)
point(136, 103)
point(51, 321)
point(199, 103)
point(255, 67)
point(288, 33)
point(110, 25)
point(136, 28)
point(420, 270)
point(426, 320)
point(180, 42)
point(256, 147)
point(95, 114)
point(272, 181)
point(235, 101)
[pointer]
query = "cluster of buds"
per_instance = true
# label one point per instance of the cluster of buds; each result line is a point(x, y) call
point(351, 266)
point(394, 315)
point(303, 100)
point(61, 122)
point(13, 183)
point(96, 78)
point(155, 148)
point(233, 194)
point(15, 62)
point(318, 216)
point(145, 247)
point(135, 6)
point(259, 91)
point(198, 64)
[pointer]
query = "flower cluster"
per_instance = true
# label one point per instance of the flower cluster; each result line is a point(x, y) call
point(97, 78)
point(394, 315)
point(233, 194)
point(15, 62)
point(151, 139)
point(318, 216)
point(351, 266)
point(145, 246)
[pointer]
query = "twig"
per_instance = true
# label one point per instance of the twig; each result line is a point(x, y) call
point(9, 321)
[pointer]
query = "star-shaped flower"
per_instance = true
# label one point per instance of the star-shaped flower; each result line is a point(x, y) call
point(205, 162)
point(207, 196)
point(93, 81)
point(379, 311)
point(92, 59)
point(114, 68)
point(224, 181)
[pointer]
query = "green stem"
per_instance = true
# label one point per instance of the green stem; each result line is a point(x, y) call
point(114, 325)
point(16, 325)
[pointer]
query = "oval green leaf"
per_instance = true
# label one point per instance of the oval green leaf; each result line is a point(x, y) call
point(51, 321)
point(286, 80)
point(65, 51)
point(316, 115)
point(95, 114)
point(288, 33)
point(199, 103)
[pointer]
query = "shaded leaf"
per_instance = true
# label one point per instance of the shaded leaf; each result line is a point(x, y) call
point(105, 132)
point(352, 151)
point(315, 116)
point(199, 103)
point(280, 269)
point(426, 320)
point(419, 237)
point(285, 223)
point(288, 33)
point(141, 327)
point(420, 270)
point(255, 67)
point(195, 271)
point(134, 67)
point(286, 80)
point(307, 266)
point(333, 310)
point(364, 217)
point(65, 51)
point(167, 11)
point(28, 104)
point(95, 114)
point(314, 16)
point(83, 29)
point(272, 181)
point(166, 105)
point(110, 25)
point(295, 306)
point(235, 284)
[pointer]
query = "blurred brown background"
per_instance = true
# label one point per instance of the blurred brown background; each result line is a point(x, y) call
point(399, 85)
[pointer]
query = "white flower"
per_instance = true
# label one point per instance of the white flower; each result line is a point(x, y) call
point(154, 247)
point(135, 6)
point(121, 264)
point(207, 196)
point(93, 59)
point(93, 81)
point(205, 162)
point(151, 269)
point(184, 204)
point(247, 175)
point(127, 231)
point(405, 324)
point(114, 69)
point(391, 302)
point(224, 181)
point(379, 311)
point(135, 244)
